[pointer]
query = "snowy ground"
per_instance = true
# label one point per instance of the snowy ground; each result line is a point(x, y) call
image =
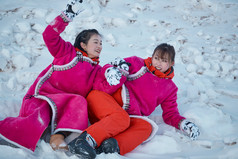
point(205, 36)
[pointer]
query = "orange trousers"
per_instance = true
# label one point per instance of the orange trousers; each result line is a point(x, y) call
point(108, 120)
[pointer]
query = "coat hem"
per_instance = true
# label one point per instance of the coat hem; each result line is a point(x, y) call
point(153, 124)
point(16, 144)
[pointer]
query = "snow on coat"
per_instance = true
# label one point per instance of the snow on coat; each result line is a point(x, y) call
point(57, 97)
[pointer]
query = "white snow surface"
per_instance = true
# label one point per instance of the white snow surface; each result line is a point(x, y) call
point(203, 32)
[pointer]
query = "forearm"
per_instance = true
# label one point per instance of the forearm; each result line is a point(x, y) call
point(55, 44)
point(102, 84)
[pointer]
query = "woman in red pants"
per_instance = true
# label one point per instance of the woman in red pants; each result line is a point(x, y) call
point(138, 86)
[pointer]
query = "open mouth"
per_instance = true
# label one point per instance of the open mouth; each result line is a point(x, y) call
point(158, 68)
point(98, 51)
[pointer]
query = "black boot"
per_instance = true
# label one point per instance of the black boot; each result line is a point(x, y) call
point(81, 148)
point(108, 146)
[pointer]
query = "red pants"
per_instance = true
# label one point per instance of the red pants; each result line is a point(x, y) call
point(108, 119)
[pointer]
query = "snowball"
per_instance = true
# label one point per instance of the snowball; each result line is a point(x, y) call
point(153, 23)
point(11, 84)
point(199, 84)
point(203, 97)
point(211, 93)
point(23, 26)
point(216, 67)
point(160, 144)
point(206, 65)
point(3, 63)
point(20, 61)
point(198, 60)
point(103, 2)
point(200, 33)
point(226, 67)
point(191, 68)
point(235, 73)
point(192, 92)
point(19, 38)
point(50, 17)
point(5, 53)
point(181, 39)
point(110, 39)
point(38, 28)
point(25, 78)
point(229, 78)
point(39, 12)
point(118, 22)
point(137, 8)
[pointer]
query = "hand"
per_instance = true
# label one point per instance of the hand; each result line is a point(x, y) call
point(190, 129)
point(113, 76)
point(120, 63)
point(71, 10)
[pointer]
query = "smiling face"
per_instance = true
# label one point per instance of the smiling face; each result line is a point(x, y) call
point(161, 63)
point(93, 46)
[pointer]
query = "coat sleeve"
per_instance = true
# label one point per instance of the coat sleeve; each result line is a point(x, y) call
point(55, 44)
point(169, 106)
point(101, 84)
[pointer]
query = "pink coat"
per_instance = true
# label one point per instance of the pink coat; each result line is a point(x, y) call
point(57, 97)
point(142, 91)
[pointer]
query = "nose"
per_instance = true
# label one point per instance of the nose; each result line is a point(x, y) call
point(158, 62)
point(100, 46)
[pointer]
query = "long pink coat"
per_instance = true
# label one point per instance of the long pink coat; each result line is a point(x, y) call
point(142, 91)
point(57, 97)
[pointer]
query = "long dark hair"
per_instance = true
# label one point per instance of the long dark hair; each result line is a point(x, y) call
point(84, 37)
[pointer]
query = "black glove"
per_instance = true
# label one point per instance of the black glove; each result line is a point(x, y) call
point(121, 63)
point(190, 129)
point(71, 10)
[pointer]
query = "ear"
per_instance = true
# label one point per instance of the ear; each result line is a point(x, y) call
point(172, 64)
point(83, 45)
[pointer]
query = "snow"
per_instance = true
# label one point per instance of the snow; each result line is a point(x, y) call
point(203, 32)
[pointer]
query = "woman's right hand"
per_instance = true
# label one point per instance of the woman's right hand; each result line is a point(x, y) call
point(190, 129)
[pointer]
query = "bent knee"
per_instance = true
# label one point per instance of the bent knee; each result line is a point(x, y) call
point(124, 119)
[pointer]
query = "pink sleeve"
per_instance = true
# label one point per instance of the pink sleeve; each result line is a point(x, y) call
point(171, 114)
point(136, 64)
point(101, 84)
point(55, 44)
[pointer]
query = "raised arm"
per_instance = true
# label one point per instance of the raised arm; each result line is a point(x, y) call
point(55, 44)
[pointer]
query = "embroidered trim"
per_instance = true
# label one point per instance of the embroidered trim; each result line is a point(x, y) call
point(179, 124)
point(87, 59)
point(138, 74)
point(48, 74)
point(65, 18)
point(42, 80)
point(54, 111)
point(123, 72)
point(125, 98)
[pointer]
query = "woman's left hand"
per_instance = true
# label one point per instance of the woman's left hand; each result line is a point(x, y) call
point(113, 76)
